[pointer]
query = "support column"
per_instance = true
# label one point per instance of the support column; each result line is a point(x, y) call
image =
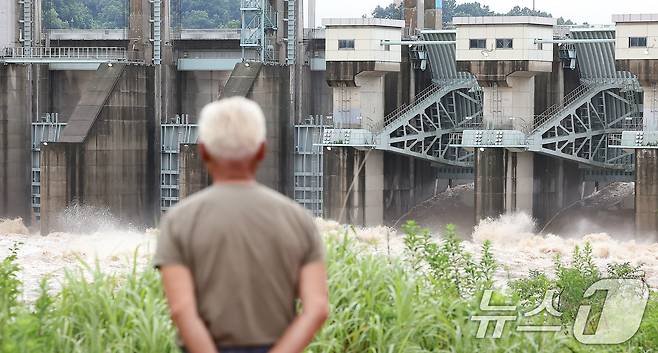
point(519, 182)
point(371, 90)
point(15, 113)
point(489, 183)
point(9, 24)
point(646, 193)
point(509, 104)
point(139, 31)
point(558, 184)
point(193, 174)
point(651, 107)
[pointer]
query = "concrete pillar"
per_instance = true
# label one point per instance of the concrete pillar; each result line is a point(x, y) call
point(311, 13)
point(651, 107)
point(646, 193)
point(509, 104)
point(490, 182)
point(557, 184)
point(139, 31)
point(374, 189)
point(60, 180)
point(8, 24)
point(433, 14)
point(371, 89)
point(15, 113)
point(193, 174)
point(519, 182)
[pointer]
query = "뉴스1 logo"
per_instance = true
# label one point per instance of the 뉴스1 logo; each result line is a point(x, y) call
point(620, 319)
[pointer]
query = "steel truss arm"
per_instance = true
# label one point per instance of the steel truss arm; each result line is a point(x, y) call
point(581, 132)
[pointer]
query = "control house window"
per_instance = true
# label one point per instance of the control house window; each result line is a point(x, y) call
point(346, 44)
point(504, 43)
point(478, 44)
point(637, 42)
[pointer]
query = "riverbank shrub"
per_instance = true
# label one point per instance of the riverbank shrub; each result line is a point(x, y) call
point(424, 301)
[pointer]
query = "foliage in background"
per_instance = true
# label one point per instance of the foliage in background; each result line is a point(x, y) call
point(391, 12)
point(379, 304)
point(106, 14)
point(470, 9)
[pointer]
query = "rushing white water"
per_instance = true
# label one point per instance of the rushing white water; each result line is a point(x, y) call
point(50, 256)
point(95, 237)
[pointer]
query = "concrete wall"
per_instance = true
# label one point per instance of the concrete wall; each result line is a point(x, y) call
point(15, 118)
point(271, 91)
point(193, 174)
point(115, 167)
point(557, 184)
point(519, 182)
point(8, 24)
point(646, 193)
point(625, 30)
point(343, 181)
point(320, 100)
point(367, 40)
point(523, 36)
point(198, 88)
point(651, 107)
point(65, 90)
point(511, 105)
point(490, 183)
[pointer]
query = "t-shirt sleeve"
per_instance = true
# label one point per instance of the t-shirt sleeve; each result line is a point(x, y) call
point(168, 250)
point(315, 251)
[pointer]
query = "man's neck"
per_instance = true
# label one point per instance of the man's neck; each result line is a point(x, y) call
point(233, 181)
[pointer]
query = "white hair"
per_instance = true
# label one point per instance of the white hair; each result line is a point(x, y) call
point(232, 128)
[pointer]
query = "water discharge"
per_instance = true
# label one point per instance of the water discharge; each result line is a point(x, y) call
point(96, 238)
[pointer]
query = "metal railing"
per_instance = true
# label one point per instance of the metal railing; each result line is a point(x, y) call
point(569, 99)
point(67, 53)
point(615, 139)
point(421, 98)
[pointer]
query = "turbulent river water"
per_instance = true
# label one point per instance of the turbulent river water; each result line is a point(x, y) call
point(516, 246)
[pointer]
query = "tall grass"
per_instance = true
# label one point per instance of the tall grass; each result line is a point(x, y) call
point(419, 303)
point(95, 312)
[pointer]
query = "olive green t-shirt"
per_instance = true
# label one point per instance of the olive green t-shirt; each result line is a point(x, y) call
point(245, 245)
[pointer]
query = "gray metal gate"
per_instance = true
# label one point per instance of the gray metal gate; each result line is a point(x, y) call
point(44, 130)
point(309, 164)
point(174, 133)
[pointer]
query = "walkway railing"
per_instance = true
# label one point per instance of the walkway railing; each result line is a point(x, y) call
point(421, 99)
point(569, 99)
point(67, 53)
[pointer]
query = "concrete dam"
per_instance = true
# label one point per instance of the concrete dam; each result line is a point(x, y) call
point(367, 117)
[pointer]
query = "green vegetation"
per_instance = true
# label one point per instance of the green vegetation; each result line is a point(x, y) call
point(94, 14)
point(451, 9)
point(422, 302)
point(85, 14)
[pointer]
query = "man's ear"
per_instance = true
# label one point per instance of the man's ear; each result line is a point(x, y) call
point(205, 156)
point(262, 151)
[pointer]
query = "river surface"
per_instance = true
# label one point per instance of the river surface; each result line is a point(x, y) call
point(516, 245)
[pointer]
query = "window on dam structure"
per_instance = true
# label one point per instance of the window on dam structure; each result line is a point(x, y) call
point(637, 42)
point(478, 44)
point(504, 43)
point(346, 44)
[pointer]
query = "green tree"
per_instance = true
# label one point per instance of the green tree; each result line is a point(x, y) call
point(51, 20)
point(562, 22)
point(392, 11)
point(518, 11)
point(473, 9)
point(197, 19)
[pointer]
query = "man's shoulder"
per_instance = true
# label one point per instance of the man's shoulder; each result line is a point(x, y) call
point(280, 200)
point(185, 207)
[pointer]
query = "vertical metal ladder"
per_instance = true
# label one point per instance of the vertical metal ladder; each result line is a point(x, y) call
point(157, 32)
point(292, 28)
point(26, 22)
